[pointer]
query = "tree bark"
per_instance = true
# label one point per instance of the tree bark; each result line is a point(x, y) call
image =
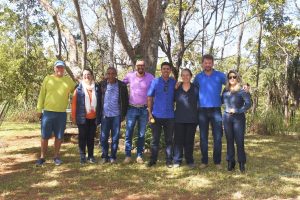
point(286, 92)
point(255, 102)
point(59, 56)
point(72, 62)
point(217, 26)
point(121, 32)
point(150, 33)
point(136, 10)
point(82, 35)
point(112, 28)
point(240, 37)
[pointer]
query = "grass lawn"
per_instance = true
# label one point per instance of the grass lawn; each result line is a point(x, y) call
point(272, 172)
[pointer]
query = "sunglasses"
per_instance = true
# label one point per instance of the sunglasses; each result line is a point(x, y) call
point(166, 87)
point(232, 77)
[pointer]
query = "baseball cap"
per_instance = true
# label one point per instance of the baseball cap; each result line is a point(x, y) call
point(59, 63)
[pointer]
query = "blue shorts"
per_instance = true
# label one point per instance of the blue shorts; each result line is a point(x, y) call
point(53, 122)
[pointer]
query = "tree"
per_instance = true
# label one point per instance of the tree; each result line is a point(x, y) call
point(175, 41)
point(149, 28)
point(72, 59)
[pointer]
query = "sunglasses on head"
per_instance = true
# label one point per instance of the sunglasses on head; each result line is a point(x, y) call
point(232, 77)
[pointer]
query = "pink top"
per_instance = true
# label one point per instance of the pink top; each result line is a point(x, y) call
point(138, 87)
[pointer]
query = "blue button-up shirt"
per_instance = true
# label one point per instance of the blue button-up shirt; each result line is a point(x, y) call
point(111, 101)
point(210, 88)
point(163, 93)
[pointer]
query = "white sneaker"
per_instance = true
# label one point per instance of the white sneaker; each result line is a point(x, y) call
point(127, 160)
point(139, 160)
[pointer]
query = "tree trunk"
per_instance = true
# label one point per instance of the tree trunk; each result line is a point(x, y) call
point(151, 33)
point(242, 27)
point(123, 36)
point(82, 35)
point(286, 92)
point(255, 102)
point(148, 45)
point(72, 62)
point(112, 28)
point(58, 56)
point(217, 26)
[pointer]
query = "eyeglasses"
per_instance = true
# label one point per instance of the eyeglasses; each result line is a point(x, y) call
point(232, 77)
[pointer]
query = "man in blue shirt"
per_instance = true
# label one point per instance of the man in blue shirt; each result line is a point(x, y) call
point(113, 109)
point(210, 83)
point(161, 112)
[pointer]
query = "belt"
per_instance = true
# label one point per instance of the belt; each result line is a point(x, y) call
point(138, 105)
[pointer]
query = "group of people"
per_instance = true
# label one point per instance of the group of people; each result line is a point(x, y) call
point(177, 108)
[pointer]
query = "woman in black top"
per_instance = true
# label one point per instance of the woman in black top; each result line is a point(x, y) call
point(186, 119)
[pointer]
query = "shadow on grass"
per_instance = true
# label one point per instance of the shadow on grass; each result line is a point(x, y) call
point(272, 169)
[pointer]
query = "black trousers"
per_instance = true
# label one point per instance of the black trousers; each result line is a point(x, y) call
point(168, 126)
point(184, 142)
point(86, 137)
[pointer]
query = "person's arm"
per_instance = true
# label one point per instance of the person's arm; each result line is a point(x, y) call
point(224, 79)
point(177, 85)
point(126, 100)
point(222, 96)
point(74, 106)
point(126, 79)
point(72, 85)
point(246, 87)
point(196, 81)
point(247, 102)
point(41, 99)
point(150, 105)
point(150, 97)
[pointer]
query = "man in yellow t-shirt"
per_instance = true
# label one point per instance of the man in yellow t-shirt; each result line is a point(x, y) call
point(53, 102)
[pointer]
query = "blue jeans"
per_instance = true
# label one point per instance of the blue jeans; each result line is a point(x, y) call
point(168, 126)
point(110, 124)
point(235, 126)
point(134, 115)
point(213, 116)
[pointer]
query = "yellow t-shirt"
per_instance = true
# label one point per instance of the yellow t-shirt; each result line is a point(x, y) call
point(54, 94)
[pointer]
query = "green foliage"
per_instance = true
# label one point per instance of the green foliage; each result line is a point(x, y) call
point(22, 61)
point(148, 138)
point(272, 122)
point(22, 114)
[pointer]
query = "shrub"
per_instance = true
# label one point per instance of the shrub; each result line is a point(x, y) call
point(272, 122)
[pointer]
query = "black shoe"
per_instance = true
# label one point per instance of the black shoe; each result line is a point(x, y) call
point(169, 164)
point(57, 161)
point(231, 165)
point(40, 162)
point(151, 163)
point(92, 160)
point(242, 167)
point(82, 160)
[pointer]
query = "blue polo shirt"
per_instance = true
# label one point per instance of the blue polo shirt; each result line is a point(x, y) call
point(163, 93)
point(210, 88)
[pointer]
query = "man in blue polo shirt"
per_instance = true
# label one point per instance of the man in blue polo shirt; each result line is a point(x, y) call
point(210, 83)
point(161, 99)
